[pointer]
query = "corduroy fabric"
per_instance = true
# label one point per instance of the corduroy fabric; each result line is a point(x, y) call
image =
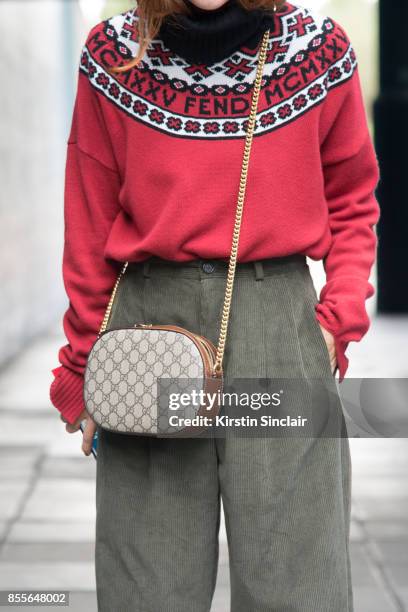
point(286, 500)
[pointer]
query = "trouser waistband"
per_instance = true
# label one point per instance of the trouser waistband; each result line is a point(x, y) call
point(202, 268)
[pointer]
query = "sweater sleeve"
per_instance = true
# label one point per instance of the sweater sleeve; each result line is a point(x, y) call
point(91, 203)
point(351, 173)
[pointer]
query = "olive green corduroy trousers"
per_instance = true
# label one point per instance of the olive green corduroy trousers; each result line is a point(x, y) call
point(286, 500)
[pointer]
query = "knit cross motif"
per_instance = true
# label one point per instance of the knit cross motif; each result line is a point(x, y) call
point(307, 55)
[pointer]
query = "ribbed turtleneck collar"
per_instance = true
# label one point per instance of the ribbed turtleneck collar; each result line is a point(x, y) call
point(208, 36)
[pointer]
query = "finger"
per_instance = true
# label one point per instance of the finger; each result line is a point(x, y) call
point(88, 439)
point(333, 363)
point(72, 428)
point(88, 436)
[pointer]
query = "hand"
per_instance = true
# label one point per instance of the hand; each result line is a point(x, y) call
point(89, 431)
point(331, 347)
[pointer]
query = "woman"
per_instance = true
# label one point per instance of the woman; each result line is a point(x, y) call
point(153, 163)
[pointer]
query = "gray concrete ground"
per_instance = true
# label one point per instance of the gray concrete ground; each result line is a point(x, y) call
point(47, 488)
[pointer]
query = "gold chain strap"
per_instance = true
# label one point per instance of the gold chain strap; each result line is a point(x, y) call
point(112, 299)
point(238, 218)
point(240, 207)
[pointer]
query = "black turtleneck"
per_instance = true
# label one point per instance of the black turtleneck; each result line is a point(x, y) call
point(208, 36)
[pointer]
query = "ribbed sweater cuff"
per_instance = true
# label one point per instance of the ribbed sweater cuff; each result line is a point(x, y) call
point(66, 393)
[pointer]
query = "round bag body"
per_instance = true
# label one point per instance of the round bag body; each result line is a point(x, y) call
point(152, 380)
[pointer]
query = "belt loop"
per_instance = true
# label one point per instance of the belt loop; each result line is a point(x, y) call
point(259, 270)
point(146, 268)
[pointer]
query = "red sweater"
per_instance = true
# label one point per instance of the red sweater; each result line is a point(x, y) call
point(154, 158)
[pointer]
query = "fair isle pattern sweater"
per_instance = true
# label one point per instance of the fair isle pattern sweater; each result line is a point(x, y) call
point(153, 163)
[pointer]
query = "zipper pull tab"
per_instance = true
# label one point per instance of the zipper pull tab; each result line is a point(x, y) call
point(143, 325)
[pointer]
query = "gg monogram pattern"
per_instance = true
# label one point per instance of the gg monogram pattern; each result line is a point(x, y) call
point(121, 387)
